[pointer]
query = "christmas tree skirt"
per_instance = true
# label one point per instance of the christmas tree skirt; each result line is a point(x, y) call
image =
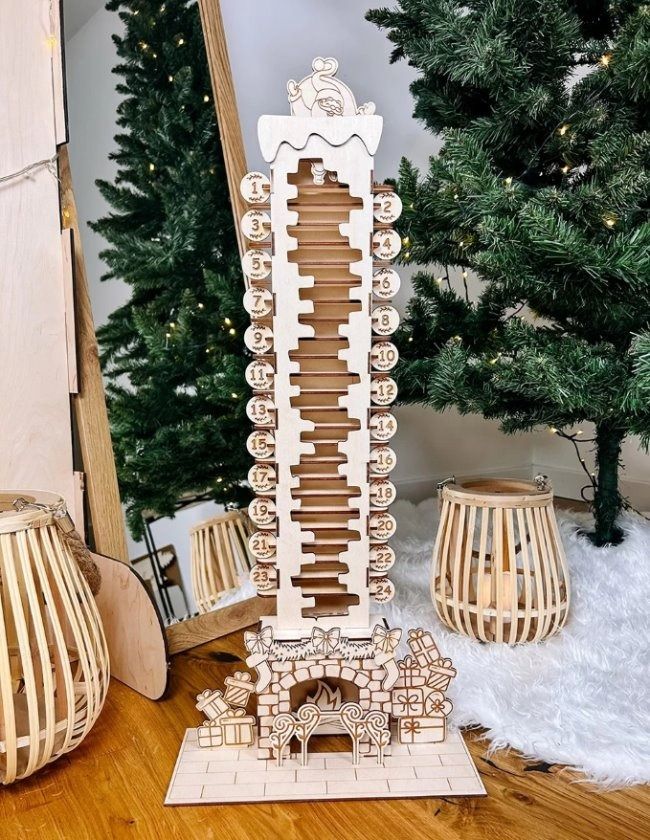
point(579, 698)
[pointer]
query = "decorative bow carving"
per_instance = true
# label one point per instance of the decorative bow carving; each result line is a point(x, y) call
point(325, 641)
point(384, 640)
point(259, 642)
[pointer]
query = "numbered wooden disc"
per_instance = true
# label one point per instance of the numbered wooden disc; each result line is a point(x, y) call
point(386, 244)
point(258, 338)
point(264, 578)
point(261, 410)
point(262, 544)
point(384, 356)
point(259, 375)
point(256, 225)
point(261, 478)
point(261, 444)
point(256, 264)
point(255, 188)
point(382, 492)
point(385, 320)
point(382, 460)
point(262, 511)
point(382, 526)
point(385, 283)
point(387, 207)
point(382, 426)
point(258, 302)
point(382, 558)
point(383, 390)
point(382, 590)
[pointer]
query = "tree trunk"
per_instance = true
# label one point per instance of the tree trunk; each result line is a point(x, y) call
point(608, 501)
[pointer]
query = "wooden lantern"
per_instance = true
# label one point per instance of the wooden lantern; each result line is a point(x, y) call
point(220, 556)
point(499, 570)
point(53, 657)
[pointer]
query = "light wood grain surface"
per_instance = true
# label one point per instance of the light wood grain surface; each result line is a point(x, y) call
point(35, 434)
point(113, 786)
point(108, 534)
point(225, 102)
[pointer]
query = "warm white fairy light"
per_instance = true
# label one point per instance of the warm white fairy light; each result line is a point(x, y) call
point(562, 130)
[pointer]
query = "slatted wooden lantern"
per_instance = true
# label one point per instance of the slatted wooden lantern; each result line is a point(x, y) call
point(499, 569)
point(221, 559)
point(54, 668)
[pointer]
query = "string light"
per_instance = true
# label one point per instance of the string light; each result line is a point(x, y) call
point(407, 255)
point(180, 42)
point(464, 274)
point(609, 220)
point(508, 181)
point(565, 168)
point(206, 98)
point(171, 78)
point(152, 166)
point(406, 242)
point(227, 321)
point(144, 46)
point(200, 305)
point(51, 41)
point(605, 59)
point(439, 280)
point(562, 130)
point(172, 324)
point(168, 335)
point(552, 430)
point(234, 396)
point(232, 331)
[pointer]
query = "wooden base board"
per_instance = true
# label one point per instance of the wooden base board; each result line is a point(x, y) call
point(219, 776)
point(135, 636)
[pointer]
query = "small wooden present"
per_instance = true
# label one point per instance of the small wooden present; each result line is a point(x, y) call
point(421, 730)
point(238, 729)
point(440, 673)
point(210, 734)
point(212, 704)
point(423, 647)
point(239, 688)
point(407, 702)
point(435, 704)
point(411, 675)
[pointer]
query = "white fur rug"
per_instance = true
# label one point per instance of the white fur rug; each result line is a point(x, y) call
point(581, 698)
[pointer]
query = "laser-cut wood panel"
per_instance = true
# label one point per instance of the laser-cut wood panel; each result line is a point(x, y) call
point(321, 327)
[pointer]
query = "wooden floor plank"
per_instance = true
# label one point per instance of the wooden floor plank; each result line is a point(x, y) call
point(115, 783)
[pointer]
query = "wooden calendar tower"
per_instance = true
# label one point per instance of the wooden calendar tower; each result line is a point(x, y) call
point(319, 286)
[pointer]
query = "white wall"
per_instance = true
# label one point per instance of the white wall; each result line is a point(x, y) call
point(269, 43)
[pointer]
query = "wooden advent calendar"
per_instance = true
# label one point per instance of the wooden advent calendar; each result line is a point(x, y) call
point(319, 290)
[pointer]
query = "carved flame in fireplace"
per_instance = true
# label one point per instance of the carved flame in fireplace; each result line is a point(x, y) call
point(326, 698)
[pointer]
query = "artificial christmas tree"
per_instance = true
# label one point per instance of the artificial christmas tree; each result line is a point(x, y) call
point(173, 354)
point(541, 190)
